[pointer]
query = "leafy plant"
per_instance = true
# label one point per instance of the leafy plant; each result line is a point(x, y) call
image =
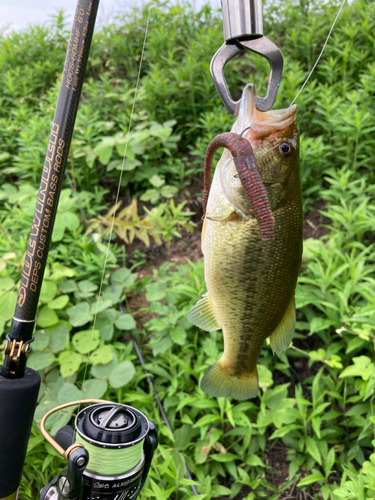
point(161, 222)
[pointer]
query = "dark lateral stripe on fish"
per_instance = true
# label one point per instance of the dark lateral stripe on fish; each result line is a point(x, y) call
point(244, 160)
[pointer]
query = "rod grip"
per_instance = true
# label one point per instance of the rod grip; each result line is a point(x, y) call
point(18, 398)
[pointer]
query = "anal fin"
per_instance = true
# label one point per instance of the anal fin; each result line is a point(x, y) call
point(202, 315)
point(282, 336)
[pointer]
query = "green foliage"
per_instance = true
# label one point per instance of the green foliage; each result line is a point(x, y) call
point(161, 222)
point(321, 420)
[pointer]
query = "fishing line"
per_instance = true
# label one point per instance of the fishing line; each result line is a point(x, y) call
point(122, 310)
point(311, 72)
point(118, 189)
point(134, 340)
point(321, 53)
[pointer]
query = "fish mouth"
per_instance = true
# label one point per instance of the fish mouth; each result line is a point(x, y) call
point(261, 124)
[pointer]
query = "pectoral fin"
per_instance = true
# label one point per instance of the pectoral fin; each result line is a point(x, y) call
point(281, 338)
point(202, 315)
point(225, 218)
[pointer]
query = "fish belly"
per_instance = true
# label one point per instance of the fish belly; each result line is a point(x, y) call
point(251, 283)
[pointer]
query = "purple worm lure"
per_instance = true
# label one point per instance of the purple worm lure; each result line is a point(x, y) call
point(243, 156)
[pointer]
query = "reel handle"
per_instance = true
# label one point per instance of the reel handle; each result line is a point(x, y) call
point(68, 484)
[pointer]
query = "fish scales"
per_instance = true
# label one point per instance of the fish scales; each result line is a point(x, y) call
point(250, 282)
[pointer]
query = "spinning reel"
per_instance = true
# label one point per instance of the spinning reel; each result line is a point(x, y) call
point(110, 457)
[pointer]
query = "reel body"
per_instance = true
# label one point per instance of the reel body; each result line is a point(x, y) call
point(110, 458)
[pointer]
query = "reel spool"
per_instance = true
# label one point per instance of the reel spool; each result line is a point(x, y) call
point(111, 455)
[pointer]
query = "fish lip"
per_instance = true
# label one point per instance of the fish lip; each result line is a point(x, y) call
point(259, 124)
point(280, 114)
point(275, 121)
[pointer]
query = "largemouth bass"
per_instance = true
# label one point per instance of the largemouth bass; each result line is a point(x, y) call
point(251, 281)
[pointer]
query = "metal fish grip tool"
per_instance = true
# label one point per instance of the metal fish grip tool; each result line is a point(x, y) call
point(243, 29)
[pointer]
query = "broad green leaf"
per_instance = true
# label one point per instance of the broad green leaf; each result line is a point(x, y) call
point(47, 317)
point(7, 305)
point(86, 286)
point(60, 419)
point(59, 339)
point(125, 322)
point(70, 220)
point(46, 404)
point(362, 367)
point(4, 156)
point(69, 392)
point(60, 271)
point(122, 374)
point(69, 363)
point(86, 341)
point(105, 327)
point(102, 355)
point(113, 296)
point(156, 291)
point(129, 164)
point(59, 303)
point(124, 276)
point(168, 191)
point(160, 345)
point(104, 152)
point(40, 360)
point(6, 284)
point(69, 286)
point(42, 339)
point(94, 388)
point(80, 314)
point(156, 181)
point(319, 324)
point(101, 305)
point(104, 370)
point(151, 195)
point(325, 490)
point(178, 335)
point(48, 292)
point(294, 466)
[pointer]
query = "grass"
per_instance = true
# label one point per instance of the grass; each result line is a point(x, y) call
point(314, 415)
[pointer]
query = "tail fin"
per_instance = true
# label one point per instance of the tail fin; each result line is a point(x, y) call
point(218, 383)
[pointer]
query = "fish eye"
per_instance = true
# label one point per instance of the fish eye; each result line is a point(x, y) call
point(286, 149)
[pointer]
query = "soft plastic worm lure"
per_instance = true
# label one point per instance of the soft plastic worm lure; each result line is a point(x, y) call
point(243, 157)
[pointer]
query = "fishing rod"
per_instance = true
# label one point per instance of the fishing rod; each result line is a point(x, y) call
point(123, 430)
